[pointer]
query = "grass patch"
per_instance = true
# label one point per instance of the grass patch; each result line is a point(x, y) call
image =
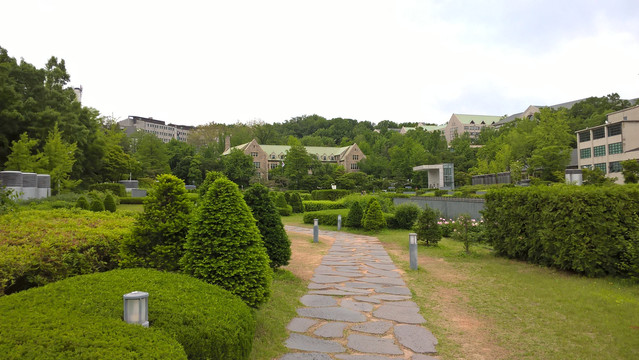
point(138, 208)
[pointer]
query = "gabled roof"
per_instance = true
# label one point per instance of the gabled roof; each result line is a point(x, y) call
point(282, 149)
point(512, 118)
point(477, 119)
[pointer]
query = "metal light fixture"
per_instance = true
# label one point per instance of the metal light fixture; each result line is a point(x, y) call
point(136, 308)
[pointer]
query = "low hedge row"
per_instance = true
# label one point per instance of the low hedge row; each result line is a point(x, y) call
point(586, 229)
point(42, 246)
point(132, 200)
point(116, 189)
point(325, 217)
point(330, 194)
point(318, 205)
point(80, 317)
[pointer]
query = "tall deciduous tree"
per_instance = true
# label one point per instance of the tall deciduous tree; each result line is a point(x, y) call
point(296, 165)
point(22, 156)
point(57, 160)
point(238, 167)
point(151, 152)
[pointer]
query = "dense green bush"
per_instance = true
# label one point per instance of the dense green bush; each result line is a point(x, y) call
point(325, 217)
point(41, 246)
point(82, 203)
point(439, 192)
point(115, 189)
point(427, 228)
point(386, 202)
point(224, 245)
point(96, 205)
point(210, 178)
point(330, 194)
point(373, 219)
point(280, 203)
point(355, 214)
point(318, 205)
point(277, 243)
point(305, 196)
point(405, 216)
point(160, 232)
point(587, 229)
point(132, 200)
point(109, 203)
point(296, 203)
point(207, 321)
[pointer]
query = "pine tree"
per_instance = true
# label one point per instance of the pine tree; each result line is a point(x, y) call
point(277, 244)
point(374, 219)
point(160, 233)
point(224, 245)
point(426, 227)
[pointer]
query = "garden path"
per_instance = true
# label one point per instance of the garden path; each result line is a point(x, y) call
point(358, 307)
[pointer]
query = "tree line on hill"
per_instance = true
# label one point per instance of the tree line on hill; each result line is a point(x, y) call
point(44, 129)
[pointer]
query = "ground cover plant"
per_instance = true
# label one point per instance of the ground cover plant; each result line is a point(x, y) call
point(207, 321)
point(41, 246)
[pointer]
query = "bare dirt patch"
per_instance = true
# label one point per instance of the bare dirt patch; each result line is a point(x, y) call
point(305, 255)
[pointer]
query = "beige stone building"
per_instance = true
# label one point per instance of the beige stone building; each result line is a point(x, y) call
point(471, 124)
point(156, 127)
point(266, 157)
point(606, 146)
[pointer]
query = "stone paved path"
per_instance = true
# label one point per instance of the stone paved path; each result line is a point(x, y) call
point(357, 308)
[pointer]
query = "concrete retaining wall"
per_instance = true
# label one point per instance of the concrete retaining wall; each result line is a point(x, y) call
point(450, 208)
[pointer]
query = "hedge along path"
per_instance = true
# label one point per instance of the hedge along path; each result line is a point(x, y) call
point(357, 307)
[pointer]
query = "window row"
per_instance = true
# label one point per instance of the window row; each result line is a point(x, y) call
point(600, 133)
point(613, 167)
point(597, 151)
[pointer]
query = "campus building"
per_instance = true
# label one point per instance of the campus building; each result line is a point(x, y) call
point(606, 146)
point(266, 157)
point(471, 124)
point(156, 127)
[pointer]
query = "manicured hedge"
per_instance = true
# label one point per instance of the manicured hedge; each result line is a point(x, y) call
point(325, 217)
point(132, 200)
point(587, 229)
point(41, 246)
point(207, 321)
point(331, 195)
point(318, 205)
point(116, 189)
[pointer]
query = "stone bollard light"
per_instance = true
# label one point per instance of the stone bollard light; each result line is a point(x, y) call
point(339, 222)
point(412, 241)
point(315, 231)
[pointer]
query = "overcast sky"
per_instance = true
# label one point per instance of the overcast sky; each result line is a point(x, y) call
point(195, 62)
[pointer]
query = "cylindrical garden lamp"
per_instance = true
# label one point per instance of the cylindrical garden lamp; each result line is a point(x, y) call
point(136, 308)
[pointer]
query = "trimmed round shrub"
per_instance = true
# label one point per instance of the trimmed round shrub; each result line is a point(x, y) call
point(96, 205)
point(82, 203)
point(374, 219)
point(109, 203)
point(282, 206)
point(224, 245)
point(277, 243)
point(406, 215)
point(354, 218)
point(158, 237)
point(427, 229)
point(296, 203)
point(207, 321)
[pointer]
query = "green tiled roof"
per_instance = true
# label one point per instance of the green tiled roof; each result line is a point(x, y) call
point(282, 149)
point(487, 119)
point(433, 127)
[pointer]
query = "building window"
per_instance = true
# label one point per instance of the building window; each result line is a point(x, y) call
point(272, 156)
point(614, 129)
point(586, 167)
point(354, 167)
point(281, 157)
point(332, 158)
point(273, 165)
point(614, 166)
point(599, 150)
point(601, 166)
point(615, 148)
point(598, 133)
point(256, 164)
point(324, 157)
point(254, 154)
point(355, 157)
point(584, 153)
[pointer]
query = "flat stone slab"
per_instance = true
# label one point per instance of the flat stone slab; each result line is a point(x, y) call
point(362, 285)
point(305, 356)
point(328, 279)
point(331, 330)
point(416, 338)
point(318, 300)
point(300, 324)
point(372, 344)
point(407, 303)
point(332, 313)
point(334, 292)
point(353, 290)
point(391, 297)
point(403, 314)
point(307, 343)
point(381, 265)
point(367, 299)
point(380, 272)
point(314, 286)
point(356, 305)
point(373, 327)
point(395, 290)
point(363, 357)
point(383, 280)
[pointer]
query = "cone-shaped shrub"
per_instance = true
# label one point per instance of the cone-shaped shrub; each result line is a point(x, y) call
point(374, 219)
point(354, 218)
point(282, 206)
point(96, 205)
point(82, 203)
point(428, 231)
point(296, 203)
point(160, 232)
point(211, 176)
point(224, 245)
point(109, 203)
point(277, 244)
